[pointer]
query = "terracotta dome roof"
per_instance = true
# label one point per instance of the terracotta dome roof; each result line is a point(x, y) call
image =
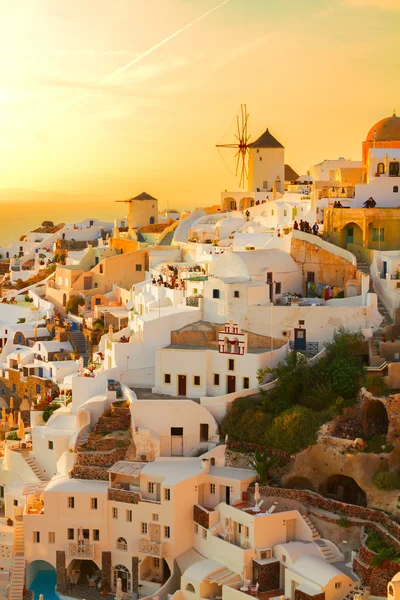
point(387, 130)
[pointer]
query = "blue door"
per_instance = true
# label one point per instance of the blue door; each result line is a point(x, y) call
point(40, 372)
point(349, 235)
point(74, 326)
point(384, 268)
point(299, 339)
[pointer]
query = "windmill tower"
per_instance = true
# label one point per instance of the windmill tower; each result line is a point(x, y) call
point(261, 163)
point(266, 164)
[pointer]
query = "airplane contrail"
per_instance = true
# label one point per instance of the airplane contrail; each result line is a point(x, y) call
point(133, 62)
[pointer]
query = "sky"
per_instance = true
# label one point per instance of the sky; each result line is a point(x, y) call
point(108, 98)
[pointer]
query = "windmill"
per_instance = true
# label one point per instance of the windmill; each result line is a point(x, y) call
point(241, 145)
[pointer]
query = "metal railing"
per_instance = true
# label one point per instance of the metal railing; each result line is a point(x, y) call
point(310, 348)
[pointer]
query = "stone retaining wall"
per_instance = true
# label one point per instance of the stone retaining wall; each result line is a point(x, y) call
point(99, 444)
point(377, 578)
point(124, 496)
point(85, 472)
point(201, 516)
point(101, 459)
point(334, 506)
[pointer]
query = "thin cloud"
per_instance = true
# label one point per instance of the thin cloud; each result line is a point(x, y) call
point(380, 4)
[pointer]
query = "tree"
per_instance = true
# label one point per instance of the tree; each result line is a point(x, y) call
point(73, 304)
point(263, 463)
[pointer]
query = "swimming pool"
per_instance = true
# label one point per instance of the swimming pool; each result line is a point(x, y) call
point(45, 583)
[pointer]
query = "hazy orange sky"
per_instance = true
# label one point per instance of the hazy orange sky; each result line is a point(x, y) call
point(82, 111)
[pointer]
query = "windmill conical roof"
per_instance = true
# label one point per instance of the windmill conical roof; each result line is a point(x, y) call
point(266, 140)
point(144, 196)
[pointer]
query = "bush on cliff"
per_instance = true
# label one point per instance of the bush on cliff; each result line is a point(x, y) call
point(387, 480)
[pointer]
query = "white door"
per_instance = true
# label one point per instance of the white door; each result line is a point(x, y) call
point(177, 445)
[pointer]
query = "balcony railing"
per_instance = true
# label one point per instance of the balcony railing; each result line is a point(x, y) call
point(310, 348)
point(192, 301)
point(85, 551)
point(152, 548)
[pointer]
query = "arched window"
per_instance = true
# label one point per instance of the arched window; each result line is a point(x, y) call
point(122, 544)
point(151, 220)
point(190, 587)
point(395, 189)
point(381, 169)
point(120, 571)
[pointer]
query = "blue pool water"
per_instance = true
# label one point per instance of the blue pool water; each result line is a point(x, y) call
point(45, 583)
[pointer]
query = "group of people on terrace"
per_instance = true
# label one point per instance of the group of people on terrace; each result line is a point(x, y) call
point(306, 227)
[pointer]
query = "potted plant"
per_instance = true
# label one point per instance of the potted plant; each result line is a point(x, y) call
point(10, 522)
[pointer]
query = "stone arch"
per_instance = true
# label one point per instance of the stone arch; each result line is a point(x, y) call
point(351, 233)
point(344, 489)
point(38, 572)
point(246, 203)
point(299, 483)
point(122, 572)
point(375, 418)
point(228, 203)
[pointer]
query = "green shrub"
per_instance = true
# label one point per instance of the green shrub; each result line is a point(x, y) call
point(13, 435)
point(294, 429)
point(387, 480)
point(343, 522)
point(376, 385)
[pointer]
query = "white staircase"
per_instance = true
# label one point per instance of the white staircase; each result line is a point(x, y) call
point(18, 565)
point(35, 469)
point(314, 530)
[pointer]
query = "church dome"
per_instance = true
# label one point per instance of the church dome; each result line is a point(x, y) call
point(387, 130)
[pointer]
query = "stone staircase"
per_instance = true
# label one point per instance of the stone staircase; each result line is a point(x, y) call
point(167, 239)
point(326, 551)
point(78, 341)
point(18, 565)
point(314, 530)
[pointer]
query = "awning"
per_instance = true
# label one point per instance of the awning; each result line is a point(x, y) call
point(34, 488)
point(222, 577)
point(124, 467)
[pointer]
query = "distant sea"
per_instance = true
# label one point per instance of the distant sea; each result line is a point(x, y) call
point(18, 216)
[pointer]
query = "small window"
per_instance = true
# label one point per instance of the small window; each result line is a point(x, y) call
point(129, 516)
point(205, 534)
point(302, 322)
point(196, 380)
point(273, 212)
point(190, 587)
point(283, 558)
point(231, 364)
point(15, 502)
point(52, 537)
point(196, 528)
point(246, 532)
point(143, 528)
point(215, 293)
point(236, 294)
point(310, 277)
point(246, 383)
point(154, 517)
point(150, 487)
point(167, 377)
point(167, 494)
point(96, 535)
point(93, 503)
point(156, 563)
point(115, 513)
point(381, 168)
point(265, 185)
point(70, 534)
point(216, 378)
point(278, 287)
point(378, 234)
point(71, 502)
point(138, 267)
point(269, 278)
point(285, 213)
point(122, 544)
point(212, 488)
point(395, 189)
point(260, 158)
point(36, 537)
point(338, 585)
point(167, 532)
point(101, 268)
